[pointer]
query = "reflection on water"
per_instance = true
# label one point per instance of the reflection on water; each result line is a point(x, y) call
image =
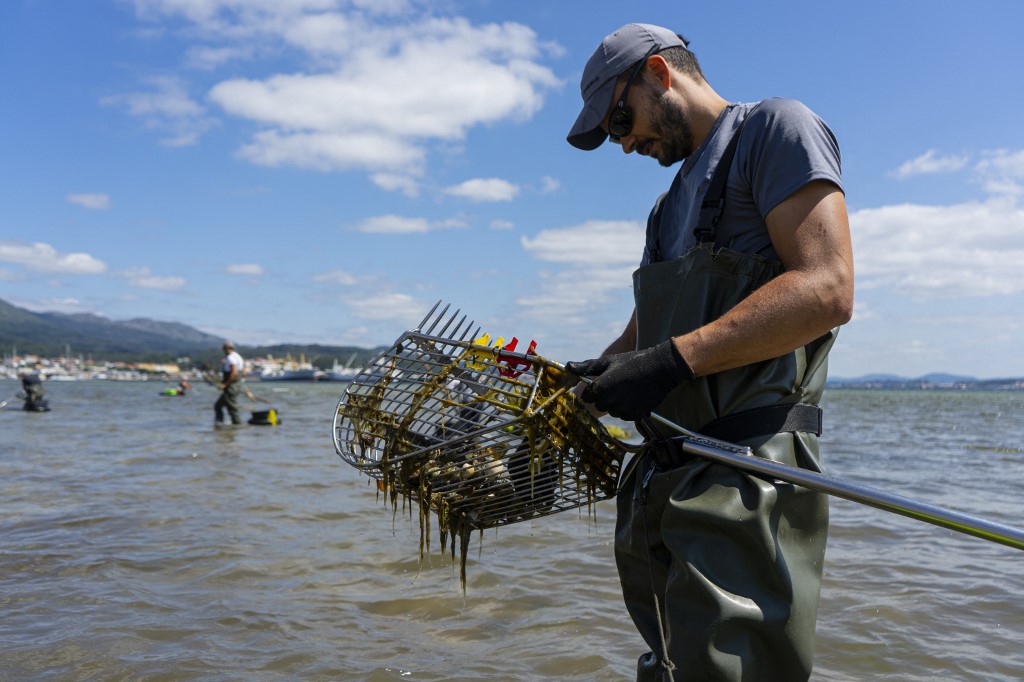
point(141, 541)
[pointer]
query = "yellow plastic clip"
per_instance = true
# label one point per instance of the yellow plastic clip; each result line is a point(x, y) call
point(478, 360)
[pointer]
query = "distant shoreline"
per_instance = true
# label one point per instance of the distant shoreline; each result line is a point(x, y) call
point(917, 385)
point(844, 384)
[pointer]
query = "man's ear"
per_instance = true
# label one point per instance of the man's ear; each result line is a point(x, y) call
point(659, 68)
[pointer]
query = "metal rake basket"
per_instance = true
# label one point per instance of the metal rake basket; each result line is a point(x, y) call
point(479, 434)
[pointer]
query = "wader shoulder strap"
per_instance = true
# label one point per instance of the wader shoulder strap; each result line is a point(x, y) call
point(713, 206)
point(654, 224)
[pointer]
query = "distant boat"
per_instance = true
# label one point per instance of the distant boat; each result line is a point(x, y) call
point(339, 373)
point(292, 371)
point(290, 375)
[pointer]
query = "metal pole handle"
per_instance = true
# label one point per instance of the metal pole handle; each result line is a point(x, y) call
point(701, 446)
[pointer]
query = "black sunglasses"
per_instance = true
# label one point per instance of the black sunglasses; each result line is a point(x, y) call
point(621, 120)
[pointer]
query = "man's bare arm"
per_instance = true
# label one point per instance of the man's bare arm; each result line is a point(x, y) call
point(810, 231)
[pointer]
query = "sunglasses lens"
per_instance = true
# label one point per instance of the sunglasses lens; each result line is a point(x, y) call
point(619, 124)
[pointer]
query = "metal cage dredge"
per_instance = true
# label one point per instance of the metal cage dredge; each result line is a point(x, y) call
point(474, 431)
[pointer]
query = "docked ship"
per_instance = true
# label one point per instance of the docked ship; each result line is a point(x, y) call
point(290, 370)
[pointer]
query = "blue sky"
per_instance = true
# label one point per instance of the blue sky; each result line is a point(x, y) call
point(322, 171)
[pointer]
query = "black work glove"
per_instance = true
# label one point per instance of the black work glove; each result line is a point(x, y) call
point(630, 385)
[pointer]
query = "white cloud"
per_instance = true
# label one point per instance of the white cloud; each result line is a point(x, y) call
point(1002, 172)
point(484, 189)
point(578, 310)
point(589, 298)
point(394, 306)
point(406, 184)
point(375, 82)
point(380, 82)
point(98, 202)
point(42, 257)
point(1003, 162)
point(450, 224)
point(168, 109)
point(930, 162)
point(330, 151)
point(571, 294)
point(941, 252)
point(342, 277)
point(394, 224)
point(502, 225)
point(862, 311)
point(385, 7)
point(245, 269)
point(144, 279)
point(168, 99)
point(594, 243)
point(549, 185)
point(207, 58)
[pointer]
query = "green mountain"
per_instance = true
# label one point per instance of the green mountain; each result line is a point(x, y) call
point(50, 334)
point(138, 340)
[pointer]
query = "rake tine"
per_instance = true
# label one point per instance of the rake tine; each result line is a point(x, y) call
point(439, 316)
point(447, 323)
point(427, 316)
point(448, 334)
point(441, 334)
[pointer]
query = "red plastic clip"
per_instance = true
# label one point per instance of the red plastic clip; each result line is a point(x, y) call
point(513, 367)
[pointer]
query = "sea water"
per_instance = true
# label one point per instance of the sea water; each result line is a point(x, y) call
point(137, 541)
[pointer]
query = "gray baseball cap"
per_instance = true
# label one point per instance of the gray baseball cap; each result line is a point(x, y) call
point(616, 53)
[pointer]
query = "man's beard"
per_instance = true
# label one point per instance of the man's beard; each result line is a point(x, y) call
point(674, 131)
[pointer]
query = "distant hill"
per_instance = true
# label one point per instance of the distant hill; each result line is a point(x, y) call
point(138, 340)
point(49, 334)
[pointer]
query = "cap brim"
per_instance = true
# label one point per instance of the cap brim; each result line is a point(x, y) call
point(586, 133)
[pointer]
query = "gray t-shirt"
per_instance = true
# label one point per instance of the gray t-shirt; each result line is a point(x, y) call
point(782, 147)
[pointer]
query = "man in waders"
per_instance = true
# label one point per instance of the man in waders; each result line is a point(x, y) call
point(230, 385)
point(32, 385)
point(746, 273)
